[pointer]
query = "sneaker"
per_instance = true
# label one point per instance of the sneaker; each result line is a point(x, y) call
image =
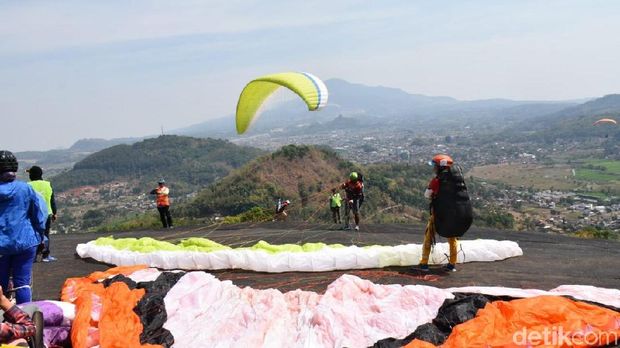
point(450, 268)
point(357, 228)
point(422, 267)
point(49, 259)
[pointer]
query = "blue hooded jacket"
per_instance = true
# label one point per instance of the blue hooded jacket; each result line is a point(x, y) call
point(23, 214)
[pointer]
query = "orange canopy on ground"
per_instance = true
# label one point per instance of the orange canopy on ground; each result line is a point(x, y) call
point(116, 324)
point(543, 321)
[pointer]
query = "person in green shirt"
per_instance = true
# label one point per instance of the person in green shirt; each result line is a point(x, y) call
point(44, 188)
point(335, 202)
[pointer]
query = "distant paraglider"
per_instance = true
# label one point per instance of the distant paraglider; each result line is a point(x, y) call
point(605, 120)
point(309, 87)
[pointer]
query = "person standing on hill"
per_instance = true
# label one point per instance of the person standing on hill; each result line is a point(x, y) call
point(441, 168)
point(335, 202)
point(354, 193)
point(281, 214)
point(44, 188)
point(162, 193)
point(22, 225)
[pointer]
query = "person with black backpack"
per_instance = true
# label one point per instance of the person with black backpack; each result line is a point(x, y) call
point(451, 210)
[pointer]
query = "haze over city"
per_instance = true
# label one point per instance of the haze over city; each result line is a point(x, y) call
point(73, 69)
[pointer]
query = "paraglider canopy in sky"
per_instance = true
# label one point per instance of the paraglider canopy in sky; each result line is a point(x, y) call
point(605, 120)
point(309, 87)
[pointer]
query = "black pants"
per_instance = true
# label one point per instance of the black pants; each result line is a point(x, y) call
point(352, 207)
point(44, 248)
point(164, 215)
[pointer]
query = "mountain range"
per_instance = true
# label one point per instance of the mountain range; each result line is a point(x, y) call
point(357, 107)
point(376, 105)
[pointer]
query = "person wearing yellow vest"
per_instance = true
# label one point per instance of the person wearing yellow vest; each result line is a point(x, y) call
point(335, 202)
point(44, 188)
point(163, 203)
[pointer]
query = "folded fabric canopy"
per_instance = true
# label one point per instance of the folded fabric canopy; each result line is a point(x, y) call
point(179, 309)
point(204, 254)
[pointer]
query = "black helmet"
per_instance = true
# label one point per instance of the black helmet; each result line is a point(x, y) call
point(8, 162)
point(35, 173)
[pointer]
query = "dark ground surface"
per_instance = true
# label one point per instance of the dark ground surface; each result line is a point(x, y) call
point(549, 260)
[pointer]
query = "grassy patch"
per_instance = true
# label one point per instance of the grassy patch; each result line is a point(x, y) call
point(599, 178)
point(138, 221)
point(256, 214)
point(596, 233)
point(558, 177)
point(599, 171)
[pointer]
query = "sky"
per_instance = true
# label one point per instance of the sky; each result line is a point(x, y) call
point(73, 69)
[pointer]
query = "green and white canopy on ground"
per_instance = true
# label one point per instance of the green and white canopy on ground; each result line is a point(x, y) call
point(205, 254)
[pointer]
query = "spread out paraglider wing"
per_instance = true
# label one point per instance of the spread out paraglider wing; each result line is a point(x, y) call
point(605, 120)
point(310, 88)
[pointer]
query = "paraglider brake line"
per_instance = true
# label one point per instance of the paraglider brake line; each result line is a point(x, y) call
point(217, 225)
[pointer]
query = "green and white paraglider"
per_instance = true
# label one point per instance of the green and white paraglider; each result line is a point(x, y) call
point(307, 86)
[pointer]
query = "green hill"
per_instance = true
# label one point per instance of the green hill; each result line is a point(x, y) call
point(187, 163)
point(574, 122)
point(305, 175)
point(302, 174)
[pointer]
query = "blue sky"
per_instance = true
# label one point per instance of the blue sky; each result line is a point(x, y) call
point(82, 69)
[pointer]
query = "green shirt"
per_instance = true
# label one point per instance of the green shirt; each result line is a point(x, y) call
point(44, 188)
point(335, 201)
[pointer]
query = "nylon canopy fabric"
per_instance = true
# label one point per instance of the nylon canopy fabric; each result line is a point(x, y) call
point(452, 312)
point(605, 120)
point(264, 257)
point(542, 321)
point(96, 305)
point(352, 313)
point(199, 310)
point(57, 318)
point(307, 86)
point(608, 297)
point(202, 311)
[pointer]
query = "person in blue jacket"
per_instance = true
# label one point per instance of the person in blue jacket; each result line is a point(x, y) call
point(23, 214)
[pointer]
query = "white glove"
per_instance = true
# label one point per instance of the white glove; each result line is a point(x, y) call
point(428, 193)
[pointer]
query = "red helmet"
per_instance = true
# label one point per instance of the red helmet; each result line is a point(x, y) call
point(442, 160)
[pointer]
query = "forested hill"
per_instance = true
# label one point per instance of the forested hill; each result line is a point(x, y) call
point(187, 163)
point(306, 174)
point(576, 122)
point(302, 174)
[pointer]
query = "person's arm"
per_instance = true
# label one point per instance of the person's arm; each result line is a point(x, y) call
point(53, 204)
point(433, 188)
point(17, 323)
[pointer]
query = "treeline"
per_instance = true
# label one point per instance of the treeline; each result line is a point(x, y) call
point(187, 163)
